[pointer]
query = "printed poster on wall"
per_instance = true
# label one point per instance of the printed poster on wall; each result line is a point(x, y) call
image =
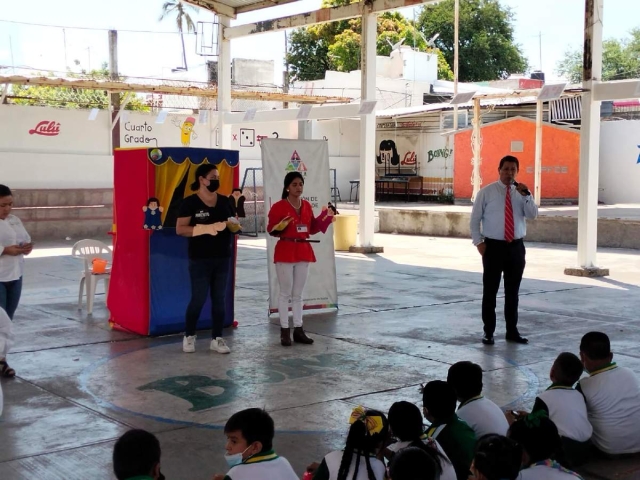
point(311, 159)
point(396, 154)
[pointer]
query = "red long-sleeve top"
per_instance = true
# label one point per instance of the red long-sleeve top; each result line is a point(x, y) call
point(287, 251)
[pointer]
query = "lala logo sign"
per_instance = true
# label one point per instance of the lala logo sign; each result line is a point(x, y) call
point(46, 128)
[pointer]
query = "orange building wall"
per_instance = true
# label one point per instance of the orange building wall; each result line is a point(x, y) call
point(560, 157)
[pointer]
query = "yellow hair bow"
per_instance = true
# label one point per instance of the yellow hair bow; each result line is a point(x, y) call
point(373, 423)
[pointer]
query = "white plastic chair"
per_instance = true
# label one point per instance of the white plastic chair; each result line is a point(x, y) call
point(88, 250)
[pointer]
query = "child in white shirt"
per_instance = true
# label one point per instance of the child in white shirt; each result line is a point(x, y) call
point(566, 407)
point(538, 437)
point(358, 461)
point(612, 394)
point(480, 413)
point(405, 422)
point(249, 449)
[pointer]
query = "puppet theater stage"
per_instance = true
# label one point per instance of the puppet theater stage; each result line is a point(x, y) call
point(150, 287)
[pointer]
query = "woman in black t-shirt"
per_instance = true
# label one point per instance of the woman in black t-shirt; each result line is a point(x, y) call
point(204, 219)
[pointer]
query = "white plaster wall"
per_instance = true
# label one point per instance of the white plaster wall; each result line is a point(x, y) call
point(76, 134)
point(619, 167)
point(343, 136)
point(55, 170)
point(78, 156)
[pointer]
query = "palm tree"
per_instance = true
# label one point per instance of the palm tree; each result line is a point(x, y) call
point(182, 16)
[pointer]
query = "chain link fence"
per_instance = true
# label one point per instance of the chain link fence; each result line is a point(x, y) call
point(97, 97)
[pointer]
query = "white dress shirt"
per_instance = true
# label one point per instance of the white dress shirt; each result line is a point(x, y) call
point(12, 232)
point(488, 210)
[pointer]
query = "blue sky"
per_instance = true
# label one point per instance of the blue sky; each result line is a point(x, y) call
point(155, 54)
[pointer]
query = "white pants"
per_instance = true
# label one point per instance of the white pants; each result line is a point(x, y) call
point(291, 278)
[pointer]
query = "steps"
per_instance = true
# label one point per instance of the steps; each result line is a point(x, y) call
point(58, 214)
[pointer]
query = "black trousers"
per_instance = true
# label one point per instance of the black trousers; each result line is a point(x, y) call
point(501, 258)
point(208, 277)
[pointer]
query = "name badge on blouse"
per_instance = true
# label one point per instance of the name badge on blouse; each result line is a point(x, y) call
point(302, 228)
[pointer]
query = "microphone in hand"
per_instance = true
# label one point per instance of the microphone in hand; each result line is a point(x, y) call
point(525, 191)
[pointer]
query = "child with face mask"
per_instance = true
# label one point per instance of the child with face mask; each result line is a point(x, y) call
point(249, 449)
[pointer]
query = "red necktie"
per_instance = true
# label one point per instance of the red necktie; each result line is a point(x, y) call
point(508, 216)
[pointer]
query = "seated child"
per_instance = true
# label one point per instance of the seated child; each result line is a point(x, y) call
point(250, 448)
point(479, 412)
point(136, 454)
point(456, 437)
point(413, 463)
point(405, 423)
point(612, 394)
point(567, 409)
point(538, 437)
point(496, 458)
point(358, 461)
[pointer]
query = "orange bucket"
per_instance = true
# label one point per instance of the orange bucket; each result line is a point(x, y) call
point(99, 265)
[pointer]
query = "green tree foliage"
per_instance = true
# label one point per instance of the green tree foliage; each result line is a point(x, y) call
point(336, 46)
point(64, 97)
point(620, 60)
point(181, 11)
point(487, 50)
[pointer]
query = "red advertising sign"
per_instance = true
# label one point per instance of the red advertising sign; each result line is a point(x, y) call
point(48, 128)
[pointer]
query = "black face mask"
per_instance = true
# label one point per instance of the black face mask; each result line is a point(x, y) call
point(213, 185)
point(160, 476)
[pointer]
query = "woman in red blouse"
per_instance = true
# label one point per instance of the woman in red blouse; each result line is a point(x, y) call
point(292, 221)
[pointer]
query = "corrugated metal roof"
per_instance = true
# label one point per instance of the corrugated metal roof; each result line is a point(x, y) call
point(446, 86)
point(435, 107)
point(239, 6)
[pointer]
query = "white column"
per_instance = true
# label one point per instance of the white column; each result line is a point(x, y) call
point(476, 139)
point(538, 155)
point(305, 130)
point(590, 137)
point(224, 84)
point(368, 131)
point(456, 49)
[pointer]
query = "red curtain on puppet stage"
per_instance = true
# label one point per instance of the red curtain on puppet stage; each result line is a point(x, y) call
point(150, 288)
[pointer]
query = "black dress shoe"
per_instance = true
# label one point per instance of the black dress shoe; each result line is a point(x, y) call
point(517, 338)
point(488, 340)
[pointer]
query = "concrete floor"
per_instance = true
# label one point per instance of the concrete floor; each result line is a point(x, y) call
point(405, 316)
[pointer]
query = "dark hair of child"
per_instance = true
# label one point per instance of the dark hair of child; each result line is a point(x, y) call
point(567, 369)
point(538, 436)
point(153, 199)
point(405, 420)
point(413, 463)
point(362, 444)
point(439, 399)
point(135, 454)
point(466, 379)
point(255, 424)
point(596, 345)
point(498, 457)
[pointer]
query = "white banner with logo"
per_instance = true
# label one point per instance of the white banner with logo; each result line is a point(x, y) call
point(311, 159)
